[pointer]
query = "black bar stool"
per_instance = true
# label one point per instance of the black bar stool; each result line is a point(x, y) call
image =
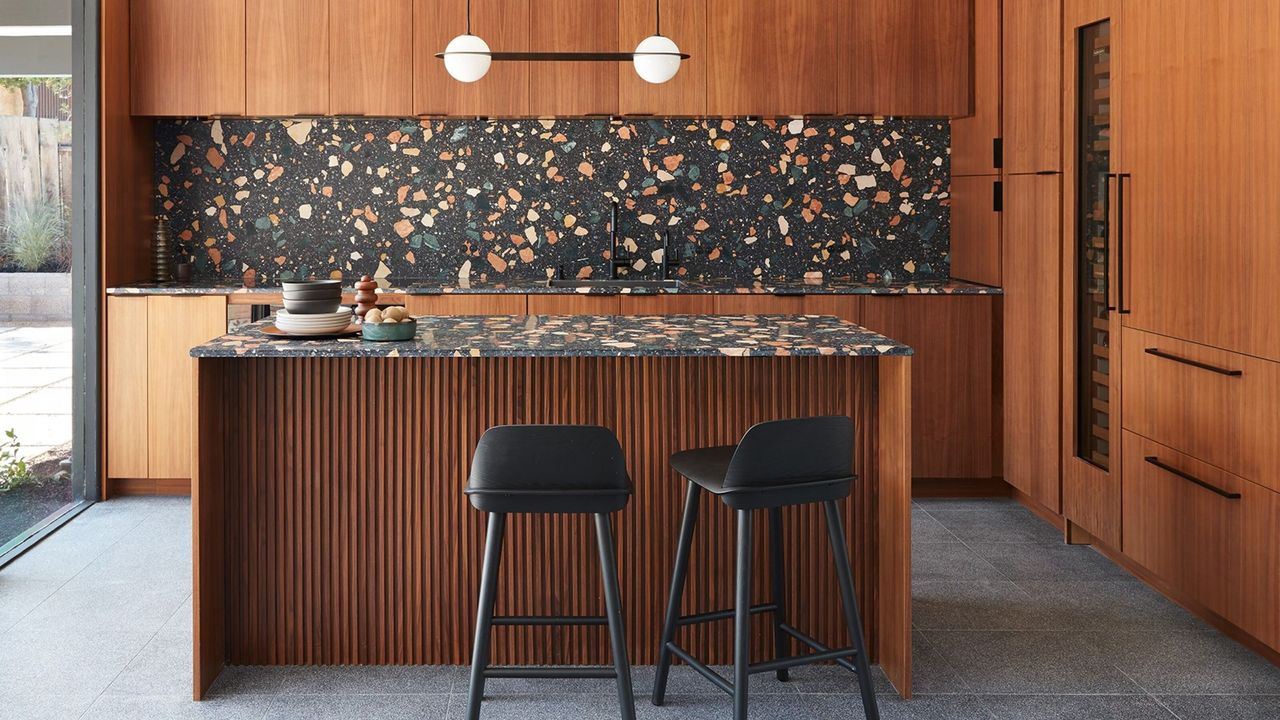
point(549, 469)
point(785, 462)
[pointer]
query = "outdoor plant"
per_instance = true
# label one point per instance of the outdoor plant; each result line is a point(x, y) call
point(13, 469)
point(34, 233)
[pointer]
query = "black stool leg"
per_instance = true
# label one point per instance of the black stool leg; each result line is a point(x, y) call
point(613, 606)
point(677, 592)
point(742, 618)
point(484, 614)
point(835, 531)
point(780, 639)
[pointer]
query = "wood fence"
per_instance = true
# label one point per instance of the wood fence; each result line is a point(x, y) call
point(35, 162)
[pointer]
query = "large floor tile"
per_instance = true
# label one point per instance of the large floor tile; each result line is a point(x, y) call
point(695, 707)
point(346, 707)
point(173, 707)
point(1190, 663)
point(55, 706)
point(974, 605)
point(921, 707)
point(1019, 662)
point(1075, 707)
point(74, 661)
point(1107, 605)
point(1223, 707)
point(950, 561)
point(1017, 561)
point(926, 529)
point(1001, 524)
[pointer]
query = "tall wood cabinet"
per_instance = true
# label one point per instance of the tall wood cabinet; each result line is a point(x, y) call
point(371, 42)
point(149, 371)
point(287, 56)
point(187, 58)
point(1032, 93)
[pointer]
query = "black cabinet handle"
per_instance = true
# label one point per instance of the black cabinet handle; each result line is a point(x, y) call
point(1193, 363)
point(1191, 478)
point(1106, 234)
point(1120, 178)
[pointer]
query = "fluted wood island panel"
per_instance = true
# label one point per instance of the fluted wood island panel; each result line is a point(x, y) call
point(331, 527)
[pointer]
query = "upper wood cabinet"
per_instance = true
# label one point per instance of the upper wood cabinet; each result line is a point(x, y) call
point(1197, 90)
point(775, 57)
point(287, 54)
point(685, 22)
point(187, 58)
point(504, 90)
point(573, 88)
point(972, 138)
point(1032, 86)
point(371, 42)
point(904, 57)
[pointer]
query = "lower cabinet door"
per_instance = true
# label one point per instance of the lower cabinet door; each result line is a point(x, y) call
point(1208, 533)
point(175, 324)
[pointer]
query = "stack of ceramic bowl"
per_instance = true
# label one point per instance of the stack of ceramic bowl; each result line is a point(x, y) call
point(313, 307)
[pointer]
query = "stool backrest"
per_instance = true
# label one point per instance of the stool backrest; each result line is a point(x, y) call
point(792, 451)
point(540, 457)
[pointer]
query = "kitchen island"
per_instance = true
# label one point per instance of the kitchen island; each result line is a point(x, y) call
point(330, 525)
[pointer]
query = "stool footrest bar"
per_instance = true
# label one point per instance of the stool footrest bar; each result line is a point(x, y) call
point(547, 672)
point(797, 660)
point(551, 620)
point(842, 660)
point(722, 614)
point(702, 668)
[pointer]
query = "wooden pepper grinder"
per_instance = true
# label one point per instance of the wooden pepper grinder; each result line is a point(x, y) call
point(366, 298)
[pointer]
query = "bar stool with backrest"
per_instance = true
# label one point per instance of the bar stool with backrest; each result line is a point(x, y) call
point(776, 464)
point(548, 469)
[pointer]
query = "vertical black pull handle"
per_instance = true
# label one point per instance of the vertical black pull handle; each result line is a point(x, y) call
point(1106, 238)
point(1191, 478)
point(1120, 300)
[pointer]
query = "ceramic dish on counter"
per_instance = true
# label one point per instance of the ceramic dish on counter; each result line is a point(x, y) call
point(392, 324)
point(313, 324)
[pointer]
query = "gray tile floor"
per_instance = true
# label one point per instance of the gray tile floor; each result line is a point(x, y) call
point(95, 623)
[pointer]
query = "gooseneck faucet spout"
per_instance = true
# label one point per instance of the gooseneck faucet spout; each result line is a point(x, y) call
point(617, 259)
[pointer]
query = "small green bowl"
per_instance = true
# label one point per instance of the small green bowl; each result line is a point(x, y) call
point(389, 332)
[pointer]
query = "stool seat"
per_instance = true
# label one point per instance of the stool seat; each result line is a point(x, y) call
point(548, 469)
point(708, 467)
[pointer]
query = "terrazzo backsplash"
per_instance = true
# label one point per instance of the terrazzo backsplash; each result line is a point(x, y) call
point(270, 200)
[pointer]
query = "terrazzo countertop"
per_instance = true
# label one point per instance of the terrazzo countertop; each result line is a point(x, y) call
point(582, 336)
point(417, 286)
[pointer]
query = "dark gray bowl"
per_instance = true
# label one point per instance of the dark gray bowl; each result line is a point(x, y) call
point(317, 294)
point(313, 307)
point(291, 285)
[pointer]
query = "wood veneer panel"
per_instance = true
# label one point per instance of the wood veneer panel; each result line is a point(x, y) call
point(287, 46)
point(892, 541)
point(503, 91)
point(210, 381)
point(759, 304)
point(1032, 92)
point(127, 150)
point(126, 375)
point(175, 324)
point(573, 88)
point(576, 304)
point(166, 35)
point(685, 22)
point(372, 42)
point(975, 230)
point(971, 137)
point(667, 304)
point(912, 57)
point(466, 304)
point(348, 539)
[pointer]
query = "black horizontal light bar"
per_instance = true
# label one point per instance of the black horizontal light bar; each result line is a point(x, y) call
point(569, 56)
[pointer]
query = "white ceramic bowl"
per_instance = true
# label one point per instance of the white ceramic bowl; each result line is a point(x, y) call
point(317, 324)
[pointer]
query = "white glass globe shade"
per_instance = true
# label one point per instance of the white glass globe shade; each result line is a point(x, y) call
point(466, 58)
point(657, 68)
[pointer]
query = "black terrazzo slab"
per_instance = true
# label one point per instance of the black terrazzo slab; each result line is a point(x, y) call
point(583, 336)
point(514, 200)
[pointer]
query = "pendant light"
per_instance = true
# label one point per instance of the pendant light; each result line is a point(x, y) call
point(656, 59)
point(467, 57)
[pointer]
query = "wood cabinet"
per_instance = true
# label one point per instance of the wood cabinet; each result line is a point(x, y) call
point(504, 90)
point(759, 304)
point(371, 42)
point(1032, 345)
point(1206, 532)
point(975, 229)
point(1197, 81)
point(576, 304)
point(973, 137)
point(1032, 92)
point(685, 22)
point(667, 304)
point(953, 414)
point(574, 88)
point(775, 57)
point(149, 370)
point(1218, 406)
point(287, 57)
point(466, 304)
point(904, 57)
point(168, 38)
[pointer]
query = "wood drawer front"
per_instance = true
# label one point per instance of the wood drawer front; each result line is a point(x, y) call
point(1228, 420)
point(1222, 551)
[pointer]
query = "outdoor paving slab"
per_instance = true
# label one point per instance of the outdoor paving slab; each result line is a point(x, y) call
point(32, 377)
point(39, 401)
